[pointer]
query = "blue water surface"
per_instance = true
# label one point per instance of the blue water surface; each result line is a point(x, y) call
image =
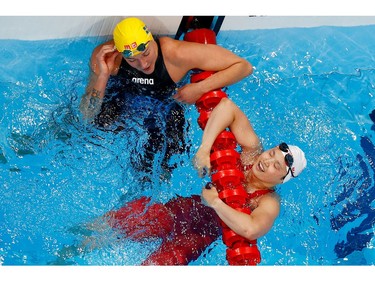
point(313, 87)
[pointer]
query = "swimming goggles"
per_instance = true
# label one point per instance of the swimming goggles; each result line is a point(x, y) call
point(288, 157)
point(141, 48)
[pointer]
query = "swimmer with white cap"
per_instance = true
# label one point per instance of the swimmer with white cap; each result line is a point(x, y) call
point(263, 170)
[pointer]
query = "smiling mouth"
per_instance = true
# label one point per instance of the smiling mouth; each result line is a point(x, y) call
point(260, 166)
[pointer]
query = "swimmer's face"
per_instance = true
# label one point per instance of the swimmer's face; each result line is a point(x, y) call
point(145, 61)
point(270, 167)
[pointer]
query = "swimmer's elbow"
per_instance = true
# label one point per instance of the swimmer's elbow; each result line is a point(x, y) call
point(250, 234)
point(90, 107)
point(254, 232)
point(248, 68)
point(84, 108)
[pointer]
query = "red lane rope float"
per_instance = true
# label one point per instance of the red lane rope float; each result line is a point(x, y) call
point(227, 174)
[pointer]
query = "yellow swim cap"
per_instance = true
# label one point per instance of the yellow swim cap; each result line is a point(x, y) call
point(132, 35)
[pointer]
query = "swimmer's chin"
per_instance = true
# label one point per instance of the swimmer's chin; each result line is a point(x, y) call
point(149, 70)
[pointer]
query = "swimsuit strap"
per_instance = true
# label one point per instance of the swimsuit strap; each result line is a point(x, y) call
point(259, 193)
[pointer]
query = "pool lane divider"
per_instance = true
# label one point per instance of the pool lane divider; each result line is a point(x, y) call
point(227, 174)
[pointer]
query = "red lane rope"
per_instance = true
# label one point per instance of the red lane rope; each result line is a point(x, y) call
point(227, 173)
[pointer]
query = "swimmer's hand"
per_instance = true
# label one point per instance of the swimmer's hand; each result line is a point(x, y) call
point(188, 93)
point(202, 162)
point(104, 62)
point(210, 195)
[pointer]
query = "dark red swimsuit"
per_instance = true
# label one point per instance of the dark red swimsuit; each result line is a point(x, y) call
point(185, 224)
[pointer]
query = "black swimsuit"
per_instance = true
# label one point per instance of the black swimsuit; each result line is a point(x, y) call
point(130, 83)
point(132, 94)
point(158, 84)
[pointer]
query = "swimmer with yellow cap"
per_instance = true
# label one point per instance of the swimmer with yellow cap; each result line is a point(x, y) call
point(131, 37)
point(160, 63)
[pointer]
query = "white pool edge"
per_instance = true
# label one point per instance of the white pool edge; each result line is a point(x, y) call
point(57, 27)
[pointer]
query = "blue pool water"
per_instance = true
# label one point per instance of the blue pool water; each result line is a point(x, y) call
point(311, 87)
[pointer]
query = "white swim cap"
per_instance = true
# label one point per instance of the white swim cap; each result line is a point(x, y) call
point(299, 160)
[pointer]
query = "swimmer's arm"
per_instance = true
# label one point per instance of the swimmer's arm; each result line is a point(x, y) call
point(104, 63)
point(252, 226)
point(229, 68)
point(92, 100)
point(227, 114)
